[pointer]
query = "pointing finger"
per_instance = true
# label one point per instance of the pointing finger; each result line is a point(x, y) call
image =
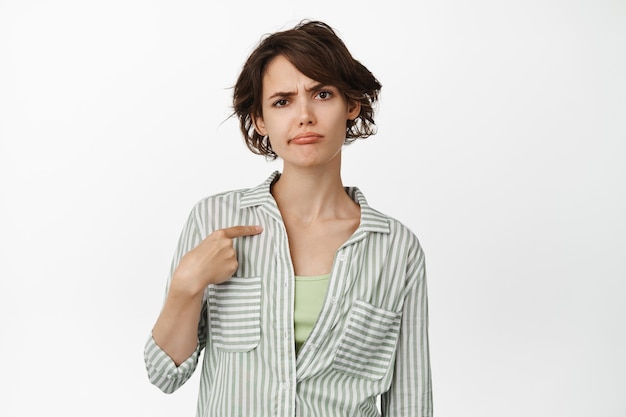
point(240, 231)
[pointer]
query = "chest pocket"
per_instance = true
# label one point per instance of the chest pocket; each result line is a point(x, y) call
point(368, 342)
point(235, 314)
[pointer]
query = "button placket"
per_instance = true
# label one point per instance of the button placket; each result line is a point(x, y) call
point(284, 286)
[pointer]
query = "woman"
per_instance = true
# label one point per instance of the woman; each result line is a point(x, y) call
point(305, 300)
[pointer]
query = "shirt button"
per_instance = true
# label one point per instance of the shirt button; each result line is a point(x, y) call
point(333, 300)
point(285, 386)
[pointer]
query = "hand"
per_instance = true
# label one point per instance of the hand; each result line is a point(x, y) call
point(214, 260)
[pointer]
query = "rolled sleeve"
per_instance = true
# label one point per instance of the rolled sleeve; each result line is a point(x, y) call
point(163, 372)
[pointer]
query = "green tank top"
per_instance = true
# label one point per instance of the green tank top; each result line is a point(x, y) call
point(309, 298)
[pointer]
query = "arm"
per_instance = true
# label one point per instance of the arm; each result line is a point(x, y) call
point(172, 350)
point(410, 393)
point(166, 374)
point(179, 334)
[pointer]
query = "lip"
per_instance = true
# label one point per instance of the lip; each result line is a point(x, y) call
point(306, 138)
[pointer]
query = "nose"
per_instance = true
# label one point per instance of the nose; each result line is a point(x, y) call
point(306, 113)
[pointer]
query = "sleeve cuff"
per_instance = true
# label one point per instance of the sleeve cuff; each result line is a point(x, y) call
point(163, 372)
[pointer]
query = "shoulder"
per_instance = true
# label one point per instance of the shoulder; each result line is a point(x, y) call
point(233, 200)
point(404, 236)
point(216, 211)
point(373, 220)
point(225, 199)
point(408, 249)
point(400, 250)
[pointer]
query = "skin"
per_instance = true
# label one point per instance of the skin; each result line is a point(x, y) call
point(306, 123)
point(211, 262)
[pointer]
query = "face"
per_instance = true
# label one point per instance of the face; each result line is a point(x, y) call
point(304, 120)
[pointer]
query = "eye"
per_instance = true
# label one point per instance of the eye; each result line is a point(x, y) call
point(280, 103)
point(325, 94)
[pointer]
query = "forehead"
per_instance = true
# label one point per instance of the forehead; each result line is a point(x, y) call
point(281, 75)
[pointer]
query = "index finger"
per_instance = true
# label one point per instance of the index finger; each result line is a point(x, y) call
point(240, 231)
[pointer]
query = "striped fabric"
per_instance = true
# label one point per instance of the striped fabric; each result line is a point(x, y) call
point(370, 340)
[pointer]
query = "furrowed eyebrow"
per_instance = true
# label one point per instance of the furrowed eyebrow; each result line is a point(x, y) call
point(282, 94)
point(316, 87)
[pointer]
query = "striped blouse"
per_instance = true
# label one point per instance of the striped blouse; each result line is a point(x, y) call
point(370, 340)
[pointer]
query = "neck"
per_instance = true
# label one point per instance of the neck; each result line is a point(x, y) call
point(311, 193)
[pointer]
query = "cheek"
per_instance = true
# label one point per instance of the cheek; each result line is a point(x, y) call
point(274, 128)
point(340, 121)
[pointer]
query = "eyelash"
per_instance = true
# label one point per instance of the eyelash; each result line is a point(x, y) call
point(330, 94)
point(283, 101)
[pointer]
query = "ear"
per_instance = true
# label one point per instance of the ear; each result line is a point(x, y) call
point(259, 125)
point(354, 108)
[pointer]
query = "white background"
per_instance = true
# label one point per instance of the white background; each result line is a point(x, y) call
point(501, 144)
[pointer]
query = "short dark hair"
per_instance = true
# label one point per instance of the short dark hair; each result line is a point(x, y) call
point(316, 51)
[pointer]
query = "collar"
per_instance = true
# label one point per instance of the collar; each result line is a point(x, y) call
point(371, 220)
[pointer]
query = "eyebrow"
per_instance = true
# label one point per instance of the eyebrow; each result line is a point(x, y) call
point(314, 87)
